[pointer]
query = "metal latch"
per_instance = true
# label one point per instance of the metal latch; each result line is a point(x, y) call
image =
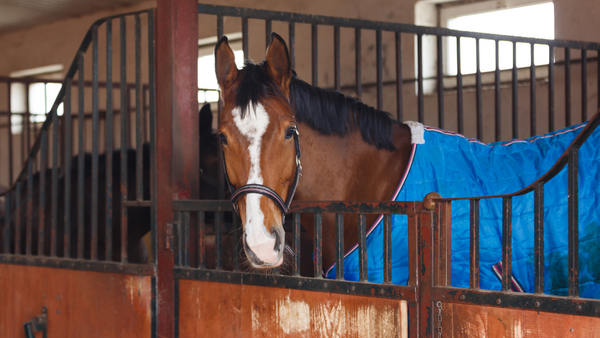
point(169, 237)
point(37, 324)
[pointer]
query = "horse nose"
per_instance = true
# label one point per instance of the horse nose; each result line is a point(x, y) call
point(267, 252)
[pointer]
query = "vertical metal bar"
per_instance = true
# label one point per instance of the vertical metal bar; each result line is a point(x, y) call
point(362, 248)
point(178, 234)
point(538, 222)
point(185, 224)
point(81, 162)
point(584, 85)
point(379, 49)
point(152, 115)
point(573, 177)
point(478, 91)
point(515, 91)
point(124, 134)
point(7, 221)
point(54, 198)
point(18, 220)
point(139, 179)
point(459, 89)
point(109, 144)
point(95, 141)
point(336, 58)
point(235, 247)
point(244, 36)
point(10, 135)
point(387, 249)
point(318, 248)
point(506, 243)
point(399, 112)
point(551, 88)
point(27, 125)
point(200, 232)
point(567, 87)
point(339, 248)
point(42, 204)
point(474, 244)
point(498, 97)
point(28, 220)
point(358, 61)
point(315, 54)
point(296, 232)
point(67, 171)
point(421, 108)
point(532, 94)
point(292, 41)
point(218, 240)
point(220, 173)
point(268, 30)
point(440, 83)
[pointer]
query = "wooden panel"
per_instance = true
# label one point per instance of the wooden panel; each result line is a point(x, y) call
point(226, 310)
point(80, 303)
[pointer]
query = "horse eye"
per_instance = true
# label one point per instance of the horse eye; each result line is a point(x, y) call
point(223, 139)
point(290, 132)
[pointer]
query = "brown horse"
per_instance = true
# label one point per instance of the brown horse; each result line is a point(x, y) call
point(350, 151)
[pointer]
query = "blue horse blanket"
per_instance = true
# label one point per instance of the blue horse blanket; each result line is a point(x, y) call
point(456, 166)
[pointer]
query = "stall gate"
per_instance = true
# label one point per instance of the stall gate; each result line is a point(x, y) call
point(71, 259)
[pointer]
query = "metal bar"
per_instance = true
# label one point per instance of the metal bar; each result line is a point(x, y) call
point(185, 224)
point(551, 88)
point(474, 222)
point(440, 83)
point(573, 215)
point(584, 116)
point(18, 220)
point(421, 108)
point(362, 248)
point(236, 231)
point(152, 116)
point(336, 58)
point(318, 247)
point(28, 220)
point(200, 233)
point(478, 91)
point(339, 248)
point(268, 30)
point(515, 91)
point(81, 160)
point(459, 89)
point(26, 126)
point(10, 134)
point(109, 144)
point(220, 173)
point(95, 144)
point(387, 249)
point(506, 243)
point(124, 135)
point(73, 264)
point(244, 37)
point(296, 232)
point(532, 96)
point(399, 98)
point(54, 196)
point(42, 204)
point(358, 61)
point(139, 167)
point(538, 222)
point(218, 240)
point(68, 118)
point(379, 51)
point(292, 41)
point(315, 54)
point(7, 221)
point(178, 236)
point(497, 97)
point(567, 87)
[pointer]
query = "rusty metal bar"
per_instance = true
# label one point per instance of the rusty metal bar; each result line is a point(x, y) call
point(551, 88)
point(109, 144)
point(362, 248)
point(459, 89)
point(538, 222)
point(387, 249)
point(42, 204)
point(497, 94)
point(200, 231)
point(139, 163)
point(292, 41)
point(81, 160)
point(399, 112)
point(124, 135)
point(95, 144)
point(379, 56)
point(268, 30)
point(152, 117)
point(339, 248)
point(515, 92)
point(54, 198)
point(336, 58)
point(68, 119)
point(584, 116)
point(567, 87)
point(440, 82)
point(315, 54)
point(218, 240)
point(358, 61)
point(28, 220)
point(506, 243)
point(479, 100)
point(244, 36)
point(573, 216)
point(318, 236)
point(296, 232)
point(532, 96)
point(474, 221)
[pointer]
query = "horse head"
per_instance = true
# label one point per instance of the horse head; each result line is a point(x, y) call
point(260, 144)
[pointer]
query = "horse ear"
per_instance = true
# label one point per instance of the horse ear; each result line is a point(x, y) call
point(278, 62)
point(225, 67)
point(205, 119)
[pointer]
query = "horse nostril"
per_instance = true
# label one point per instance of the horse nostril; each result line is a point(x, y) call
point(277, 241)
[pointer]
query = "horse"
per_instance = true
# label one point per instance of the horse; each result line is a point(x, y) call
point(268, 115)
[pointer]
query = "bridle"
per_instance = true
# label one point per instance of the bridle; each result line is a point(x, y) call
point(283, 205)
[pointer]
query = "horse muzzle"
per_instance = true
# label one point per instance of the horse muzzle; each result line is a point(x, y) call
point(268, 253)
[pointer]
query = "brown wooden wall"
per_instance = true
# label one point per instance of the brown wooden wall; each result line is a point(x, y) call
point(80, 303)
point(208, 309)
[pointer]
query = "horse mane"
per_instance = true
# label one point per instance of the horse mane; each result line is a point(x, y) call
point(327, 111)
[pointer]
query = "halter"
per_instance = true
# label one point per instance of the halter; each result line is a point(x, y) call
point(283, 205)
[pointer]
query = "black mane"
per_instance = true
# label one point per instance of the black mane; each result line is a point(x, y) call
point(327, 111)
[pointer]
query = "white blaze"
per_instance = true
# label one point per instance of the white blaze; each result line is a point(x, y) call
point(253, 126)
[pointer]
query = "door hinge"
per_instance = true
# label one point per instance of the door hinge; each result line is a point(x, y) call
point(169, 236)
point(37, 324)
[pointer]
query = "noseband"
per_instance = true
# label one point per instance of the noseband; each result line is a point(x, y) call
point(283, 205)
